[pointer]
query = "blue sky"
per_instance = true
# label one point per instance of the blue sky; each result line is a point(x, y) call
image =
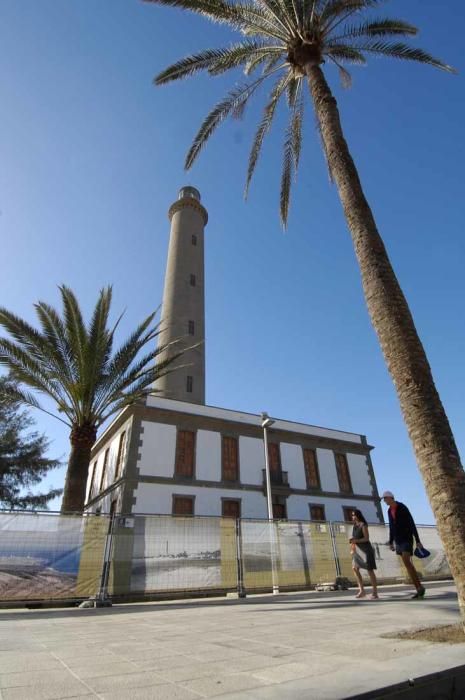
point(91, 157)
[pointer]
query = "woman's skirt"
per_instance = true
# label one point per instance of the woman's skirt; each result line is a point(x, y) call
point(364, 557)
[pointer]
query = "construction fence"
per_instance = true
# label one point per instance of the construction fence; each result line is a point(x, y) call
point(49, 556)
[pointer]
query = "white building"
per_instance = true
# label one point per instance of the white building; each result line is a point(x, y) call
point(175, 455)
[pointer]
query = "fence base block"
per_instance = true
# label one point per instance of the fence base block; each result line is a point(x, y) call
point(96, 603)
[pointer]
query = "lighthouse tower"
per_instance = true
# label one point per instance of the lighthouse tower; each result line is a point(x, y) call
point(183, 309)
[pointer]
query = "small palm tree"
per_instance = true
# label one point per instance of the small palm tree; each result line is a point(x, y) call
point(289, 42)
point(76, 367)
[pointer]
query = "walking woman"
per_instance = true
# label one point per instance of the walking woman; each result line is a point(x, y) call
point(363, 556)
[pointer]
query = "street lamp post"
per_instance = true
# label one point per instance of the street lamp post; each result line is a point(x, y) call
point(266, 423)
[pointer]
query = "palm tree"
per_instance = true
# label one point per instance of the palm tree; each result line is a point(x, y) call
point(76, 367)
point(289, 42)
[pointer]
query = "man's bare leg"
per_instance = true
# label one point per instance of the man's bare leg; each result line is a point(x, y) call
point(412, 572)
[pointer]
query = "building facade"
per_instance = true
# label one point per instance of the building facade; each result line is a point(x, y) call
point(174, 457)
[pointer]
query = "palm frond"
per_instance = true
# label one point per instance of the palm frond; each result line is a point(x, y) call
point(291, 151)
point(268, 62)
point(29, 338)
point(76, 334)
point(404, 52)
point(125, 355)
point(280, 12)
point(297, 124)
point(248, 17)
point(54, 330)
point(217, 10)
point(214, 60)
point(337, 11)
point(98, 350)
point(378, 27)
point(264, 126)
point(232, 102)
point(344, 52)
point(25, 368)
point(27, 399)
point(345, 76)
point(142, 386)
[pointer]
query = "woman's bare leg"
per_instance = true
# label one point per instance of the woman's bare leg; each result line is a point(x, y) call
point(374, 582)
point(358, 576)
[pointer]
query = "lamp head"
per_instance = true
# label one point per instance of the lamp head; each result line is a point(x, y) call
point(266, 420)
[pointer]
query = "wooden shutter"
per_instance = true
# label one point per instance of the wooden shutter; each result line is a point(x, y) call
point(343, 475)
point(279, 511)
point(347, 510)
point(311, 469)
point(183, 505)
point(274, 457)
point(120, 458)
point(231, 509)
point(317, 512)
point(185, 451)
point(92, 480)
point(104, 469)
point(230, 462)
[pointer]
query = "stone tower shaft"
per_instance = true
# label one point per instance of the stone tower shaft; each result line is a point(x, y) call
point(183, 308)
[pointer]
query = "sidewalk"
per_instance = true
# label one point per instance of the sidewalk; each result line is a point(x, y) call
point(317, 646)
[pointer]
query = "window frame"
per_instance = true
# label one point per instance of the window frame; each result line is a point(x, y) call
point(92, 479)
point(231, 500)
point(274, 449)
point(238, 472)
point(189, 384)
point(177, 451)
point(277, 500)
point(340, 475)
point(187, 497)
point(348, 508)
point(106, 456)
point(317, 505)
point(120, 457)
point(310, 487)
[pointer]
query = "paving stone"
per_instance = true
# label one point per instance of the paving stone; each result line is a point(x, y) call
point(218, 685)
point(54, 691)
point(35, 678)
point(103, 669)
point(11, 662)
point(104, 684)
point(156, 692)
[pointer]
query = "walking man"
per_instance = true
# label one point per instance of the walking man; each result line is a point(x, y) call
point(402, 532)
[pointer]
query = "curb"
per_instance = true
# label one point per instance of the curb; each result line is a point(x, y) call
point(443, 685)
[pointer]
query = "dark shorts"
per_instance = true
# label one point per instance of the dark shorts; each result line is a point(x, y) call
point(402, 547)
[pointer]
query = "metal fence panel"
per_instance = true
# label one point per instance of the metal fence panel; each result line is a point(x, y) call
point(304, 554)
point(46, 556)
point(50, 556)
point(389, 565)
point(160, 553)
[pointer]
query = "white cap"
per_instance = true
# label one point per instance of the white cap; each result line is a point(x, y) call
point(387, 494)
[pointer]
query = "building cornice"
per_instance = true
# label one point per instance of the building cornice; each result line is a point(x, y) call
point(188, 202)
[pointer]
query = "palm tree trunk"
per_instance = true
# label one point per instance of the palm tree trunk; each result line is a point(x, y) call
point(424, 415)
point(82, 439)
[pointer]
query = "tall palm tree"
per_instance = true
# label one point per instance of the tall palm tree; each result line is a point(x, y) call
point(76, 367)
point(289, 42)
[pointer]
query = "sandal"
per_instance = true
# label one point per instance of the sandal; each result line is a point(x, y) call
point(374, 596)
point(361, 594)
